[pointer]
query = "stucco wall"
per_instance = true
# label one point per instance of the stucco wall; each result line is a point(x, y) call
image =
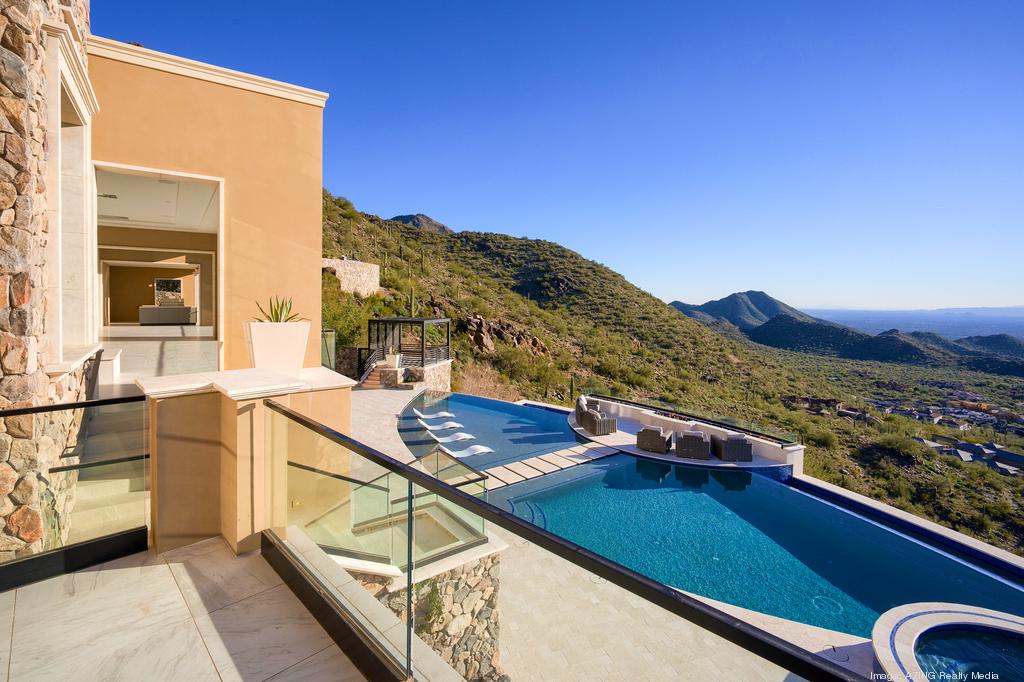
point(267, 149)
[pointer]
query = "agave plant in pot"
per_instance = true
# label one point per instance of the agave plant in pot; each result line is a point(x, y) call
point(277, 339)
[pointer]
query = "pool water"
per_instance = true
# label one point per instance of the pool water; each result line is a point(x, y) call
point(748, 540)
point(514, 432)
point(966, 654)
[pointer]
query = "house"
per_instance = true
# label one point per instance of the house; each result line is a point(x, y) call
point(930, 444)
point(186, 494)
point(951, 423)
point(963, 455)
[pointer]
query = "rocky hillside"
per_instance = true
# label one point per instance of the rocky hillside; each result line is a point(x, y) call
point(536, 320)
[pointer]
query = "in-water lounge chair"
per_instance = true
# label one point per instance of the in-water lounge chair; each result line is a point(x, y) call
point(436, 415)
point(467, 452)
point(454, 438)
point(439, 427)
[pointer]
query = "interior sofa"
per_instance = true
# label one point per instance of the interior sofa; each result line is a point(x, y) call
point(167, 314)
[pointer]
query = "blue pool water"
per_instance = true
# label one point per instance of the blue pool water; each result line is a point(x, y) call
point(748, 540)
point(966, 654)
point(514, 432)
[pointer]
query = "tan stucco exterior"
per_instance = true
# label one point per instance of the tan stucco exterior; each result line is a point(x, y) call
point(267, 152)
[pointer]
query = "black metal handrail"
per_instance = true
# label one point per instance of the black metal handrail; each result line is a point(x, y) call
point(741, 633)
point(80, 405)
point(366, 358)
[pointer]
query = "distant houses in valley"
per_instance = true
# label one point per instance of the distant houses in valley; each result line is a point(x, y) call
point(998, 457)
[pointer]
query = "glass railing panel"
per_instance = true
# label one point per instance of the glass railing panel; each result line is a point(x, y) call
point(71, 473)
point(341, 503)
point(99, 500)
point(332, 511)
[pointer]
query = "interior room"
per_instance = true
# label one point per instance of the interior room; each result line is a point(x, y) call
point(158, 265)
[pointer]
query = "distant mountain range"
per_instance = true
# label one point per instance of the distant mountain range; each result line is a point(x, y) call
point(953, 323)
point(770, 322)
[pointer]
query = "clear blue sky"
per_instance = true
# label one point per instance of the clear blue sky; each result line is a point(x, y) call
point(859, 154)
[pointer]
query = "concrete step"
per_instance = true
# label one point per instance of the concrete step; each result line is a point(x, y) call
point(120, 513)
point(113, 418)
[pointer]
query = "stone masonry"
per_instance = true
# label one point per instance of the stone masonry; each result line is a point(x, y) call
point(354, 276)
point(456, 613)
point(33, 505)
point(436, 377)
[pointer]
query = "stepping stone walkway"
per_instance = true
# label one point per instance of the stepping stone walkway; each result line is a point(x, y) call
point(514, 472)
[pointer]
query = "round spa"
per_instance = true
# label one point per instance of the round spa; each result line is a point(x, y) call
point(940, 641)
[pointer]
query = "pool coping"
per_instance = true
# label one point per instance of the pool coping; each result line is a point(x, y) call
point(940, 535)
point(895, 634)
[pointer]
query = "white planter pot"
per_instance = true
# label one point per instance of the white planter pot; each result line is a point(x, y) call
point(280, 346)
point(393, 361)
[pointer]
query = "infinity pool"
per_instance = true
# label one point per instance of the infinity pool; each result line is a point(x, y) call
point(513, 431)
point(750, 541)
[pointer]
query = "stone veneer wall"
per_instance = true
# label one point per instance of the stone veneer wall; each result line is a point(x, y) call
point(456, 613)
point(33, 505)
point(346, 361)
point(354, 276)
point(437, 377)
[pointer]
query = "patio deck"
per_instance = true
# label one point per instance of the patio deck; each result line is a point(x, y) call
point(375, 420)
point(195, 613)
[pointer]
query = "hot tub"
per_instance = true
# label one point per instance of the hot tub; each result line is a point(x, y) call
point(941, 641)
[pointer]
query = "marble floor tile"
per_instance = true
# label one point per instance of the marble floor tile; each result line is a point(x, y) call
point(6, 628)
point(261, 636)
point(329, 664)
point(173, 652)
point(216, 579)
point(180, 554)
point(123, 605)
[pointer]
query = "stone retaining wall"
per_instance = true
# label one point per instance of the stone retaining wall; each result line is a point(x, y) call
point(354, 276)
point(346, 361)
point(437, 377)
point(456, 613)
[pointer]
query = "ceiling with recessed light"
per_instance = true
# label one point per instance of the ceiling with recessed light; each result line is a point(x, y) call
point(156, 201)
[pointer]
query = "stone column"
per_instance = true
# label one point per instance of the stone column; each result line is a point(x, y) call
point(33, 505)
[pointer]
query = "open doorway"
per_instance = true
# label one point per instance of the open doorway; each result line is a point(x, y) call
point(159, 270)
